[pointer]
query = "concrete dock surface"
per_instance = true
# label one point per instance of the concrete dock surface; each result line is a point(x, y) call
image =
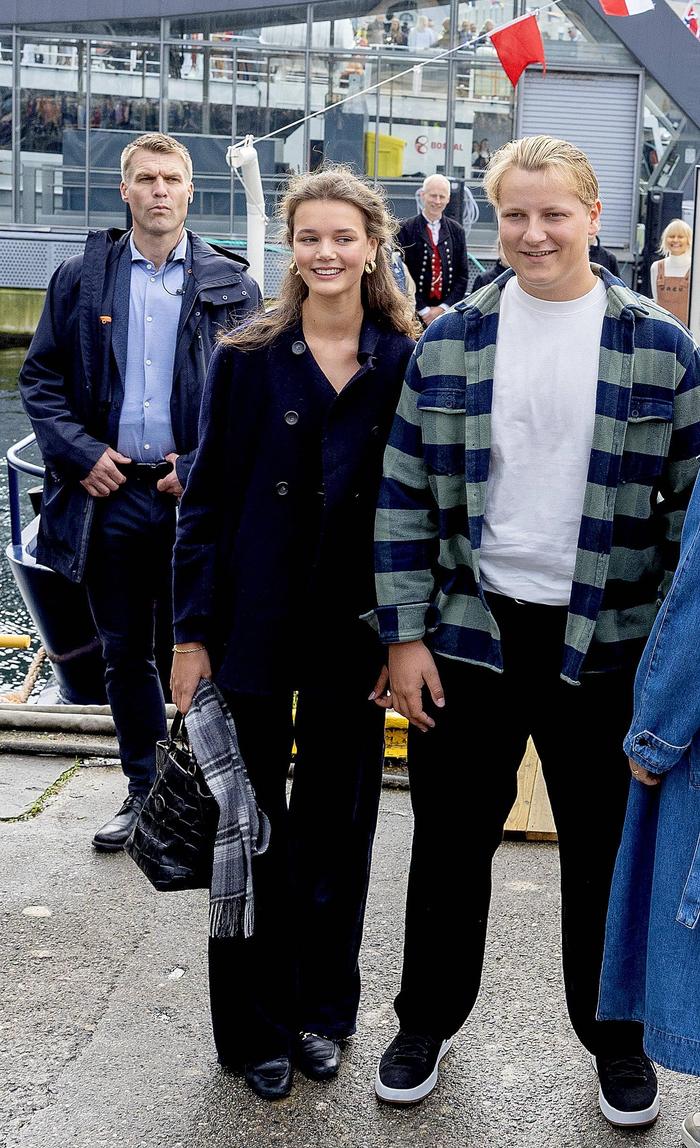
point(105, 1036)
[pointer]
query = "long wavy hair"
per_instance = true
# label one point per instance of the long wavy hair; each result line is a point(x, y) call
point(382, 299)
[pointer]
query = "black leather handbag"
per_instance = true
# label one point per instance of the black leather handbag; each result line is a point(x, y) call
point(173, 839)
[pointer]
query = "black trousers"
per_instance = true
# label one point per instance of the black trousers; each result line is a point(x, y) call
point(128, 580)
point(299, 971)
point(463, 776)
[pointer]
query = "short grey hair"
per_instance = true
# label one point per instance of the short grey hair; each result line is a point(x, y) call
point(160, 144)
point(437, 175)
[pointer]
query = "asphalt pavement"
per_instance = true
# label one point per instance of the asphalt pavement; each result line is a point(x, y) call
point(104, 1025)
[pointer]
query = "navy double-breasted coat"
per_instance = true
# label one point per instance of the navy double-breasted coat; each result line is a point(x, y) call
point(273, 558)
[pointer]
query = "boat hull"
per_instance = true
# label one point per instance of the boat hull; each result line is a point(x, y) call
point(61, 615)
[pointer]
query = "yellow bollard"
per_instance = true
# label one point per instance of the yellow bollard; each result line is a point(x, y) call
point(14, 641)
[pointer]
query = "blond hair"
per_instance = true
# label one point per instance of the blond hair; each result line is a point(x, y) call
point(159, 143)
point(675, 225)
point(543, 153)
point(382, 300)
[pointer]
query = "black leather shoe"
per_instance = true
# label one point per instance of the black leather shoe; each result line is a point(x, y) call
point(318, 1056)
point(111, 837)
point(271, 1079)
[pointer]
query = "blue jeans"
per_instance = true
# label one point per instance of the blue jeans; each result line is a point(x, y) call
point(128, 581)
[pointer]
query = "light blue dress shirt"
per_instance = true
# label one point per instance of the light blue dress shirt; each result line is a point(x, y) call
point(145, 428)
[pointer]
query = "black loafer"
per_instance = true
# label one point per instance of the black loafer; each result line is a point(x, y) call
point(271, 1079)
point(111, 837)
point(318, 1056)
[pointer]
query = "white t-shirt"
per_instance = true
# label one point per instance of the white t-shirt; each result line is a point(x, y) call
point(544, 394)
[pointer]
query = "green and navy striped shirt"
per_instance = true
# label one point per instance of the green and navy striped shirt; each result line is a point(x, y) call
point(643, 463)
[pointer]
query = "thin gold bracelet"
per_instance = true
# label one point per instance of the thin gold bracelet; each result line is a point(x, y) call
point(196, 650)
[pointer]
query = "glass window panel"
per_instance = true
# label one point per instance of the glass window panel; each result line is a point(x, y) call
point(148, 27)
point(247, 22)
point(270, 89)
point(52, 113)
point(5, 119)
point(124, 86)
point(124, 102)
point(421, 25)
point(5, 154)
point(200, 90)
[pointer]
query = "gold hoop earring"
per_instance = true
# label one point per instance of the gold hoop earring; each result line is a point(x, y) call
point(293, 267)
point(370, 266)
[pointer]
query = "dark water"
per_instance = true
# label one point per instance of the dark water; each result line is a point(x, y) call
point(14, 618)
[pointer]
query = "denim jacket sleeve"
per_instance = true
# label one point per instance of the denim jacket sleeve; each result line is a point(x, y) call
point(667, 687)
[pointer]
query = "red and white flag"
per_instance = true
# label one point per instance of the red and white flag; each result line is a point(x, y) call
point(626, 7)
point(691, 19)
point(517, 45)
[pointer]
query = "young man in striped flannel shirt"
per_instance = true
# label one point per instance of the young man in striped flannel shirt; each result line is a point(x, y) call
point(535, 485)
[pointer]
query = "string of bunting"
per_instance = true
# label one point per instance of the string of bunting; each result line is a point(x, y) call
point(517, 44)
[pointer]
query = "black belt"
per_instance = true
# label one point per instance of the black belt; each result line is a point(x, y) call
point(148, 473)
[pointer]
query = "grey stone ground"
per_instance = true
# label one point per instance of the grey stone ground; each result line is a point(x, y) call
point(105, 1039)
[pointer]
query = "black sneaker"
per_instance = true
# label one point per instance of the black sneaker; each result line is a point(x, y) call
point(408, 1071)
point(629, 1091)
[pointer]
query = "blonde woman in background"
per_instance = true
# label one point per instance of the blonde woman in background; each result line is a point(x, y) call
point(670, 276)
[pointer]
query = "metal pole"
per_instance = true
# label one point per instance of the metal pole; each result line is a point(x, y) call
point(306, 140)
point(451, 90)
point(16, 128)
point(234, 132)
point(377, 105)
point(164, 75)
point(88, 117)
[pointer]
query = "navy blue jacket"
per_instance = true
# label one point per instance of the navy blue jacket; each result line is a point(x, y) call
point(72, 380)
point(273, 557)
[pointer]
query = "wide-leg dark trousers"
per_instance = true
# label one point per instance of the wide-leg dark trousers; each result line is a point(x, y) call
point(463, 779)
point(300, 972)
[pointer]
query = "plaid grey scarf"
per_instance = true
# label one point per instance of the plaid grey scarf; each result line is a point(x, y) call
point(244, 831)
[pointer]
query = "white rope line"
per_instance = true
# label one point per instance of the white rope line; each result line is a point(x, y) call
point(398, 75)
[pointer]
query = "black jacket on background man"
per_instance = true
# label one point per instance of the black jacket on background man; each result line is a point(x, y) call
point(418, 256)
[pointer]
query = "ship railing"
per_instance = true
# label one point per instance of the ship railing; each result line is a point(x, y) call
point(16, 465)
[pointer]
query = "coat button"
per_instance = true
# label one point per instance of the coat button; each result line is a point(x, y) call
point(298, 347)
point(635, 412)
point(291, 418)
point(282, 488)
point(244, 293)
point(374, 431)
point(225, 298)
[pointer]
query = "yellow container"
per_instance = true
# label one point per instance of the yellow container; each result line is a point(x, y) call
point(390, 156)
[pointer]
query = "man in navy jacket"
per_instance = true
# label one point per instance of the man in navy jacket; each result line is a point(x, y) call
point(112, 383)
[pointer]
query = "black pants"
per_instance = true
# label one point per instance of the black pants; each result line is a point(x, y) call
point(299, 972)
point(128, 581)
point(463, 779)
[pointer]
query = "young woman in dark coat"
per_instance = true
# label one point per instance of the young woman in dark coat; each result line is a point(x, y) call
point(273, 568)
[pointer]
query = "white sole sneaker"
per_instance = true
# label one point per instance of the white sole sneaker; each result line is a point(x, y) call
point(624, 1119)
point(412, 1095)
point(689, 1125)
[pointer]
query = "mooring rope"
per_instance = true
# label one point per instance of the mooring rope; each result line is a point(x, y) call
point(22, 695)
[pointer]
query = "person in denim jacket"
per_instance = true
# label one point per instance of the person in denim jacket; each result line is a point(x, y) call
point(651, 968)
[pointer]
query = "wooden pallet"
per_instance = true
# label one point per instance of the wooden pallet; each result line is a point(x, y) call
point(531, 815)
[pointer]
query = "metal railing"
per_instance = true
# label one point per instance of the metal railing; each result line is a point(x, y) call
point(17, 465)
